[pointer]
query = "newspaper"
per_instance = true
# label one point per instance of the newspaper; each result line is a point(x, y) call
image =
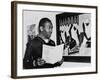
point(52, 54)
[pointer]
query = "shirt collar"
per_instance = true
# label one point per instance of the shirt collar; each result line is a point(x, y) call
point(46, 40)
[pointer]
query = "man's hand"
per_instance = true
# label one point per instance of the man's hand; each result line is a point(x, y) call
point(40, 62)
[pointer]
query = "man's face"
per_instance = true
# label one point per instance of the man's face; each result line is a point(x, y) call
point(47, 30)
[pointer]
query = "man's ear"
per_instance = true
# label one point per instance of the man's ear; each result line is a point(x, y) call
point(41, 28)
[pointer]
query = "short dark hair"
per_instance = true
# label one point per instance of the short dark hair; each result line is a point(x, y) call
point(42, 22)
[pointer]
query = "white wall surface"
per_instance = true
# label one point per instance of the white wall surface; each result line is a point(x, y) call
point(5, 40)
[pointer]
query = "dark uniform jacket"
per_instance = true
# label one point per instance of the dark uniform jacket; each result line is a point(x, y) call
point(34, 51)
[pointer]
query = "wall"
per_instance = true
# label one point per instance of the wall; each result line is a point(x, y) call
point(5, 41)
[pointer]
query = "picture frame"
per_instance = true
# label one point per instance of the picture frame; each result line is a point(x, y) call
point(26, 15)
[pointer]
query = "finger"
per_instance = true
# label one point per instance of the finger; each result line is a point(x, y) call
point(40, 63)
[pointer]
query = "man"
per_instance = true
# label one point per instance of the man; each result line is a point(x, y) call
point(33, 54)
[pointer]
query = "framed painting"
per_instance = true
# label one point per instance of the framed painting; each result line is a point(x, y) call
point(50, 39)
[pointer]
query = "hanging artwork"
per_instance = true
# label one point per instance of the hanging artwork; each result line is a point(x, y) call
point(52, 39)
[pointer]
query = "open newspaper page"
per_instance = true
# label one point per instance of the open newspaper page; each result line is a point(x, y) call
point(52, 54)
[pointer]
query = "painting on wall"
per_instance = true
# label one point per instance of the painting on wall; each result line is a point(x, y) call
point(74, 31)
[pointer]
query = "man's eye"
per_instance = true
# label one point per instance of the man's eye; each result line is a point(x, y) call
point(87, 24)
